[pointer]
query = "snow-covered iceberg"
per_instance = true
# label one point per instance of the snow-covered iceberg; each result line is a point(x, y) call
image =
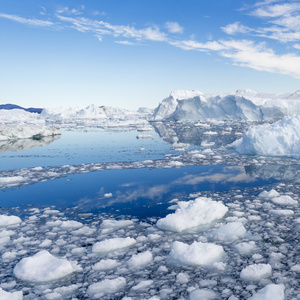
point(26, 131)
point(95, 113)
point(241, 105)
point(281, 138)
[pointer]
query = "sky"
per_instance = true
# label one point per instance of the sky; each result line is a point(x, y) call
point(133, 53)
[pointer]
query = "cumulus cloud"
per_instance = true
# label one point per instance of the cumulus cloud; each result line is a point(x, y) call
point(173, 27)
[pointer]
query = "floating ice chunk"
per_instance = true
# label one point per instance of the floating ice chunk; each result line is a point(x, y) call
point(229, 232)
point(42, 267)
point(142, 285)
point(175, 164)
point(54, 223)
point(197, 254)
point(193, 213)
point(106, 264)
point(106, 286)
point(45, 243)
point(71, 225)
point(5, 233)
point(245, 248)
point(270, 292)
point(140, 260)
point(256, 272)
point(113, 244)
point(182, 277)
point(144, 136)
point(204, 294)
point(116, 224)
point(10, 296)
point(4, 240)
point(271, 194)
point(282, 212)
point(7, 256)
point(295, 268)
point(210, 133)
point(9, 220)
point(63, 292)
point(85, 230)
point(284, 200)
point(11, 181)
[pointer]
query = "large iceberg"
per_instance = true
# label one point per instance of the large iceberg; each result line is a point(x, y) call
point(242, 105)
point(281, 138)
point(26, 131)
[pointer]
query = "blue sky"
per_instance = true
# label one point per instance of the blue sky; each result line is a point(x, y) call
point(132, 53)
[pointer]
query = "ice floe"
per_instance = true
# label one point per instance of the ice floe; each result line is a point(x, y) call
point(196, 254)
point(270, 292)
point(106, 286)
point(43, 267)
point(193, 213)
point(256, 272)
point(9, 220)
point(113, 244)
point(10, 296)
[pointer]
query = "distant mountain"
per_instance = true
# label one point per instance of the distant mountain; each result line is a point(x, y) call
point(14, 106)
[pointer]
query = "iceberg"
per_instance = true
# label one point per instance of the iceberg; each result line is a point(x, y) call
point(281, 138)
point(26, 131)
point(183, 105)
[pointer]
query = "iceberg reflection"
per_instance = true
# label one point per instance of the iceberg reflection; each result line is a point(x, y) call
point(25, 144)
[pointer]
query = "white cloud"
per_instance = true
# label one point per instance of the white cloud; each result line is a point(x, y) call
point(33, 22)
point(194, 45)
point(256, 56)
point(235, 28)
point(125, 43)
point(297, 46)
point(101, 28)
point(276, 10)
point(174, 27)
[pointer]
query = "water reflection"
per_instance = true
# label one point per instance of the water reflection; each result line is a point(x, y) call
point(25, 144)
point(280, 172)
point(199, 134)
point(151, 192)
